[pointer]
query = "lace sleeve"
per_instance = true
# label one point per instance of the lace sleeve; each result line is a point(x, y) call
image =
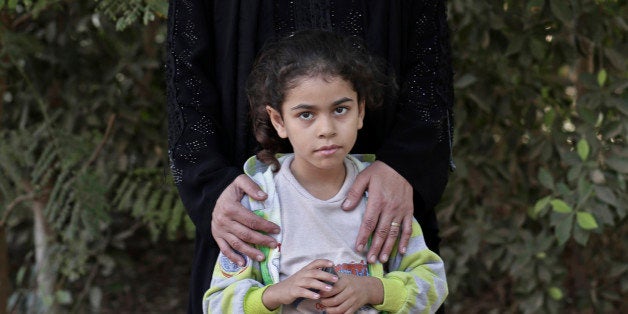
point(196, 151)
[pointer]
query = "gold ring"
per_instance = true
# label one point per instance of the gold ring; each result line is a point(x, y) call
point(395, 224)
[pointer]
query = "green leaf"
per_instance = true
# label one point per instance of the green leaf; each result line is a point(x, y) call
point(538, 48)
point(159, 6)
point(561, 9)
point(612, 129)
point(178, 212)
point(540, 205)
point(588, 115)
point(563, 229)
point(548, 118)
point(63, 296)
point(19, 278)
point(555, 293)
point(601, 77)
point(606, 195)
point(465, 81)
point(619, 103)
point(11, 4)
point(581, 236)
point(586, 221)
point(560, 206)
point(583, 149)
point(620, 164)
point(546, 179)
point(514, 45)
point(574, 173)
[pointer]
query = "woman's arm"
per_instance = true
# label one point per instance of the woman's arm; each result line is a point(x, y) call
point(199, 165)
point(204, 175)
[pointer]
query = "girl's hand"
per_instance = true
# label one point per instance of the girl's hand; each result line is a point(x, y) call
point(352, 292)
point(388, 210)
point(300, 285)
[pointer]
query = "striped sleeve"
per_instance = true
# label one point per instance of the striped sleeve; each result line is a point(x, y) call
point(417, 281)
point(235, 289)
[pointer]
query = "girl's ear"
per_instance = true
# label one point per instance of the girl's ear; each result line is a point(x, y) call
point(277, 121)
point(361, 113)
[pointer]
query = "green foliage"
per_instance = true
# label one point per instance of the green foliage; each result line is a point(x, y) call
point(75, 97)
point(127, 12)
point(142, 194)
point(534, 217)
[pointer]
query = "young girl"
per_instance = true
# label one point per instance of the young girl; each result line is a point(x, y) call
point(312, 88)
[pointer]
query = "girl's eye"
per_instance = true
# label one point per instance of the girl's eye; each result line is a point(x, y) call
point(341, 110)
point(306, 116)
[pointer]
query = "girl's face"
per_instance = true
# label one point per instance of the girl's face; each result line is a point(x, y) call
point(321, 117)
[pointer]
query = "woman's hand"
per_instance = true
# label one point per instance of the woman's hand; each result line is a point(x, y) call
point(388, 210)
point(302, 284)
point(234, 226)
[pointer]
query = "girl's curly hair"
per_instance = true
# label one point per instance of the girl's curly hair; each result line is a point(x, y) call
point(310, 53)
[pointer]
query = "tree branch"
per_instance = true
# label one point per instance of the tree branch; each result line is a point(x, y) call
point(15, 202)
point(96, 152)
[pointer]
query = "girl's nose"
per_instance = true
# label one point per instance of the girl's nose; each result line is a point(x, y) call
point(326, 128)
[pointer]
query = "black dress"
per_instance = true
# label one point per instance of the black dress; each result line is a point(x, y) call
point(211, 48)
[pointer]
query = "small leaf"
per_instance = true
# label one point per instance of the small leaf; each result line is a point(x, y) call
point(583, 149)
point(514, 45)
point(619, 103)
point(601, 77)
point(562, 11)
point(537, 48)
point(619, 164)
point(560, 206)
point(546, 179)
point(587, 114)
point(574, 173)
point(20, 275)
point(548, 118)
point(563, 229)
point(606, 195)
point(581, 236)
point(586, 221)
point(465, 81)
point(160, 7)
point(540, 205)
point(555, 293)
point(63, 296)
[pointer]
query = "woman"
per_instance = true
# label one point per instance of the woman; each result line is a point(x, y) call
point(211, 48)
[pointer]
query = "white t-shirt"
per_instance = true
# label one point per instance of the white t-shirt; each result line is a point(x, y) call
point(314, 228)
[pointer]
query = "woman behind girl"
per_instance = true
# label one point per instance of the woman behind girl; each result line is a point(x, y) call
point(308, 94)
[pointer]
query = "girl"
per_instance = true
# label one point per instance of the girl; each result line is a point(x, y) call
point(311, 88)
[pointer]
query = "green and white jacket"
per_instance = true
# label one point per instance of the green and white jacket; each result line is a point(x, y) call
point(413, 283)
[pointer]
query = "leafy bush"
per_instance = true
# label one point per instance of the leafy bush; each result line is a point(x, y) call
point(534, 218)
